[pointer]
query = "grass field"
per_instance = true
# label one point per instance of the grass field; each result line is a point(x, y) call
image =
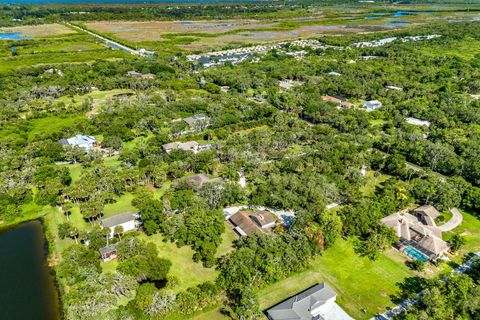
point(123, 204)
point(361, 284)
point(210, 34)
point(40, 31)
point(47, 58)
point(373, 179)
point(470, 230)
point(187, 272)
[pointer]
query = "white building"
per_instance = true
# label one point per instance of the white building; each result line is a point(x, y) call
point(315, 303)
point(372, 105)
point(125, 220)
point(81, 141)
point(418, 122)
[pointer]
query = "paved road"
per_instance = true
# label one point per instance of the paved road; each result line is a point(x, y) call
point(107, 41)
point(390, 314)
point(454, 222)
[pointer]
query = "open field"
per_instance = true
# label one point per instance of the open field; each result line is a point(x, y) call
point(470, 230)
point(210, 34)
point(40, 31)
point(47, 58)
point(138, 31)
point(369, 289)
point(187, 273)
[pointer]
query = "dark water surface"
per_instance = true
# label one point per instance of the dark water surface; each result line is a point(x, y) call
point(120, 1)
point(27, 289)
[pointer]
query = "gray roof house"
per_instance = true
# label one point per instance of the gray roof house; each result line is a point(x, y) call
point(315, 303)
point(108, 253)
point(187, 146)
point(199, 180)
point(80, 140)
point(118, 219)
point(419, 230)
point(372, 105)
point(197, 122)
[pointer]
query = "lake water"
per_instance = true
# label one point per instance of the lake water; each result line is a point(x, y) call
point(116, 1)
point(27, 288)
point(12, 36)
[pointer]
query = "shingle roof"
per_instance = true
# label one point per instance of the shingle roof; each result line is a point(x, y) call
point(118, 219)
point(412, 228)
point(428, 210)
point(108, 249)
point(188, 146)
point(200, 179)
point(300, 306)
point(192, 120)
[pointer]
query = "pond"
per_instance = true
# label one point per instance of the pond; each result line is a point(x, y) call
point(12, 36)
point(27, 288)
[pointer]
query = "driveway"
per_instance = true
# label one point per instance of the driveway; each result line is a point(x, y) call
point(454, 222)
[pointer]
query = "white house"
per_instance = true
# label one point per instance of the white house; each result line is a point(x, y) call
point(315, 303)
point(418, 122)
point(125, 220)
point(372, 105)
point(81, 141)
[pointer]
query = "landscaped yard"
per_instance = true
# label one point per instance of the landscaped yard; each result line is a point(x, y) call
point(372, 179)
point(123, 204)
point(361, 284)
point(186, 272)
point(470, 230)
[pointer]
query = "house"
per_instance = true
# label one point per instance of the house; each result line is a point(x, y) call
point(287, 84)
point(419, 231)
point(417, 122)
point(331, 99)
point(338, 102)
point(126, 220)
point(187, 146)
point(136, 74)
point(372, 105)
point(108, 253)
point(199, 180)
point(394, 88)
point(246, 223)
point(145, 53)
point(81, 141)
point(315, 303)
point(333, 73)
point(197, 123)
point(205, 147)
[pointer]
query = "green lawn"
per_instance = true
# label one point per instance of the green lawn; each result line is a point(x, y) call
point(17, 62)
point(470, 230)
point(123, 204)
point(211, 315)
point(359, 282)
point(187, 272)
point(48, 125)
point(372, 179)
point(75, 171)
point(227, 239)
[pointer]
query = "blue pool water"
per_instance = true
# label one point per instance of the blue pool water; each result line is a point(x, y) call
point(415, 254)
point(12, 36)
point(399, 22)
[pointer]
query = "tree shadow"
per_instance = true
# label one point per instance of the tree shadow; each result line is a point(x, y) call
point(408, 288)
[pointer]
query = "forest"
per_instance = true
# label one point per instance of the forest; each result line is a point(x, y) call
point(296, 150)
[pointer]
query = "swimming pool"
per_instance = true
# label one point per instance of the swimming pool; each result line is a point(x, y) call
point(415, 254)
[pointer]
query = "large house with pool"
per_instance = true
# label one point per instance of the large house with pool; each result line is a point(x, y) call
point(420, 238)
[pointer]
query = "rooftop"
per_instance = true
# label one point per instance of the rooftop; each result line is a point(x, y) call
point(317, 302)
point(118, 219)
point(247, 223)
point(418, 227)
